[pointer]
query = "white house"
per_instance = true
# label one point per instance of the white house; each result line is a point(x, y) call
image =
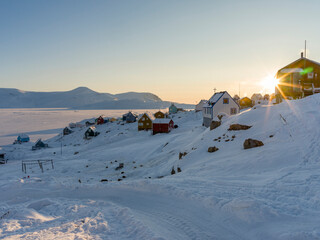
point(220, 102)
point(199, 106)
point(256, 98)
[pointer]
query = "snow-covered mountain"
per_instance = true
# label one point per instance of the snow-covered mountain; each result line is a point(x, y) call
point(81, 98)
point(267, 192)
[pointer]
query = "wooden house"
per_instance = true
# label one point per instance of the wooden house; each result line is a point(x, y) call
point(162, 125)
point(91, 132)
point(145, 122)
point(173, 109)
point(159, 114)
point(256, 98)
point(220, 102)
point(298, 79)
point(67, 131)
point(245, 102)
point(39, 144)
point(129, 117)
point(100, 120)
point(2, 157)
point(236, 98)
point(23, 138)
point(199, 106)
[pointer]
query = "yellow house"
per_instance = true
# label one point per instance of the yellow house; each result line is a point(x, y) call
point(159, 114)
point(144, 122)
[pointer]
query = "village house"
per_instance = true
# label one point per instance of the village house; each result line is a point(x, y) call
point(39, 144)
point(220, 102)
point(91, 132)
point(159, 114)
point(199, 106)
point(67, 131)
point(245, 102)
point(298, 79)
point(100, 120)
point(162, 125)
point(23, 138)
point(129, 117)
point(2, 157)
point(145, 122)
point(256, 98)
point(173, 109)
point(236, 98)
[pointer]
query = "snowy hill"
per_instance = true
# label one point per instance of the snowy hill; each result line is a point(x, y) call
point(81, 98)
point(268, 192)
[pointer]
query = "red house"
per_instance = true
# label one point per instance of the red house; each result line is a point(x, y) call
point(162, 125)
point(100, 120)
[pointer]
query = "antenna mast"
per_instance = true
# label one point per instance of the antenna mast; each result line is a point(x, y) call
point(305, 48)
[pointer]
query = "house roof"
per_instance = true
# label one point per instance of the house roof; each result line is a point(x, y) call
point(23, 135)
point(292, 67)
point(162, 120)
point(214, 99)
point(148, 115)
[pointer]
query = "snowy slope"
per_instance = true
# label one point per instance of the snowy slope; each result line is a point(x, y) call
point(81, 98)
point(269, 192)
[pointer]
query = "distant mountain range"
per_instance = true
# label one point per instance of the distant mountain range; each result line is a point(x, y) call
point(82, 98)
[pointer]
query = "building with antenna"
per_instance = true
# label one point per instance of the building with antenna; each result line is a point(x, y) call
point(298, 79)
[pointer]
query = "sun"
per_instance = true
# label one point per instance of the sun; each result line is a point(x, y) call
point(269, 83)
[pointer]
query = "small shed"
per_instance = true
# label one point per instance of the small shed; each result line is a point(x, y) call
point(159, 114)
point(91, 132)
point(23, 138)
point(129, 117)
point(145, 122)
point(199, 106)
point(67, 131)
point(173, 109)
point(162, 125)
point(39, 144)
point(245, 102)
point(100, 120)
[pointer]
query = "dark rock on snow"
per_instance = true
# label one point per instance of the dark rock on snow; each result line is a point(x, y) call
point(212, 149)
point(236, 127)
point(252, 143)
point(182, 154)
point(214, 124)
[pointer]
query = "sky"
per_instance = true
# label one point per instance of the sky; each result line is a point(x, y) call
point(180, 50)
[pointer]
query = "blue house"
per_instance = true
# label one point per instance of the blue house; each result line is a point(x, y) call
point(129, 117)
point(173, 109)
point(23, 138)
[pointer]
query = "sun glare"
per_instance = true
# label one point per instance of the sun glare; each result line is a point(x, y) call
point(269, 83)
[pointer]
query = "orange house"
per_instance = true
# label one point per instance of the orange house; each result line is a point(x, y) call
point(144, 123)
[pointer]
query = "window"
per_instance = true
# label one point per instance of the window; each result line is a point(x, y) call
point(142, 119)
point(226, 101)
point(147, 124)
point(140, 124)
point(233, 111)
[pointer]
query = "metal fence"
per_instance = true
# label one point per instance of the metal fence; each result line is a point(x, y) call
point(40, 163)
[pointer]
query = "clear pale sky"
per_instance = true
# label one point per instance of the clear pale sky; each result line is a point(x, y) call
point(179, 50)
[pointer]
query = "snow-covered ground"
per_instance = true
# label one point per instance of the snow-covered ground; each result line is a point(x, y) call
point(269, 192)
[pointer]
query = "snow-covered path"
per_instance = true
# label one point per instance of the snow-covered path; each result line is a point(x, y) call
point(168, 217)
